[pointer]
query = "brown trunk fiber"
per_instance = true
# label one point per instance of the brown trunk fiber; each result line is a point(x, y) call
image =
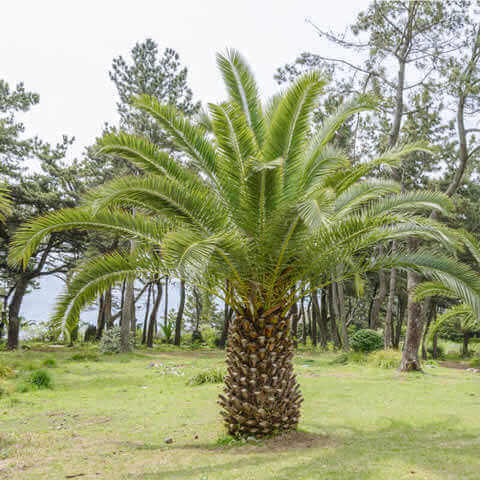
point(262, 394)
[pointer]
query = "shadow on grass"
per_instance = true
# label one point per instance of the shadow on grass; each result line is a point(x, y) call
point(395, 450)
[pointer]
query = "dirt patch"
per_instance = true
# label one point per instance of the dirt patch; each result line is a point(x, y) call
point(456, 365)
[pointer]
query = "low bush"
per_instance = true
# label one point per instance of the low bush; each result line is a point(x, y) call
point(357, 357)
point(49, 363)
point(110, 342)
point(213, 375)
point(385, 358)
point(340, 359)
point(366, 341)
point(84, 357)
point(6, 371)
point(40, 379)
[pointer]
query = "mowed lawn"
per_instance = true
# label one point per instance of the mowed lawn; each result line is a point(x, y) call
point(109, 419)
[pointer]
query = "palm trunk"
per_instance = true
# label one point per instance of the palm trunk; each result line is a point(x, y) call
point(262, 394)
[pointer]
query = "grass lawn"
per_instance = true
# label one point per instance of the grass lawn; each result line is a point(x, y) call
point(109, 419)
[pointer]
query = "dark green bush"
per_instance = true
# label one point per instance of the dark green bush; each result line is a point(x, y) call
point(40, 379)
point(90, 333)
point(366, 341)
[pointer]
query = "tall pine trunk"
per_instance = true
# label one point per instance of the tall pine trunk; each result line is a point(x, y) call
point(262, 395)
point(153, 316)
point(410, 358)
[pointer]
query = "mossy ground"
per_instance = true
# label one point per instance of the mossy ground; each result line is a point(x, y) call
point(109, 418)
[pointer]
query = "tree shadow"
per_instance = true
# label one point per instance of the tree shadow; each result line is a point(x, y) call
point(344, 453)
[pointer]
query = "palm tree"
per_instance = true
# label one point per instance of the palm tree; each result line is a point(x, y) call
point(5, 203)
point(268, 208)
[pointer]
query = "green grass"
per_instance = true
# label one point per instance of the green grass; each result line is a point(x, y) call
point(109, 419)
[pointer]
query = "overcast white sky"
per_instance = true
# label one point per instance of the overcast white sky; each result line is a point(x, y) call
point(64, 49)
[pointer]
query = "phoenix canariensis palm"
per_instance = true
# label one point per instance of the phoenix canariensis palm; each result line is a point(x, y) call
point(271, 207)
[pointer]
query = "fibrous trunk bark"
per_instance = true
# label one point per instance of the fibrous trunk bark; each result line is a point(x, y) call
point(262, 395)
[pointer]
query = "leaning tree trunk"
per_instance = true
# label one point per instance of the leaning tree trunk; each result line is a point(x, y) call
point(262, 395)
point(14, 314)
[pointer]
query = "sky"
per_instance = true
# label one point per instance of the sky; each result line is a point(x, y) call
point(63, 50)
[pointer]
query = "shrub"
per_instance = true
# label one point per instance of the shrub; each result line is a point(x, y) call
point(49, 363)
point(211, 336)
point(366, 341)
point(385, 358)
point(84, 357)
point(213, 375)
point(6, 371)
point(475, 362)
point(90, 333)
point(110, 342)
point(40, 379)
point(168, 330)
point(357, 357)
point(340, 359)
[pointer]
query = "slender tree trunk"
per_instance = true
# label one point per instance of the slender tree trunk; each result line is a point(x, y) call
point(227, 317)
point(262, 394)
point(410, 358)
point(427, 328)
point(165, 311)
point(304, 322)
point(435, 346)
point(294, 315)
point(14, 313)
point(319, 318)
point(100, 317)
point(147, 311)
point(333, 315)
point(108, 309)
point(126, 318)
point(399, 323)
point(312, 322)
point(153, 315)
point(381, 294)
point(466, 339)
point(178, 322)
point(388, 331)
point(339, 300)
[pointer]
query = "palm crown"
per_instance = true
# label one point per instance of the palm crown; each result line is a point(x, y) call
point(264, 203)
